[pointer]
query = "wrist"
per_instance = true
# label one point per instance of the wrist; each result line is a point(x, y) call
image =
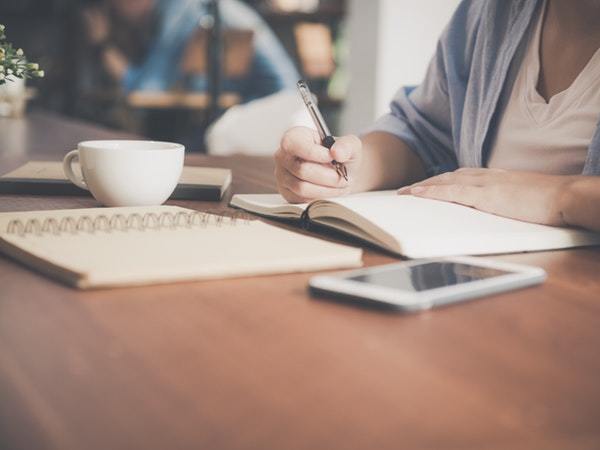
point(566, 200)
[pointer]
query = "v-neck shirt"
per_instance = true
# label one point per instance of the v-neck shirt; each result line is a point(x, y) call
point(551, 136)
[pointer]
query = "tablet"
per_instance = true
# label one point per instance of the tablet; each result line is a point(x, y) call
point(423, 284)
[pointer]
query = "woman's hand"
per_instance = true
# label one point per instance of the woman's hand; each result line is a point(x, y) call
point(303, 166)
point(527, 196)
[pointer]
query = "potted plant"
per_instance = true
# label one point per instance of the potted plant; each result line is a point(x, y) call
point(14, 68)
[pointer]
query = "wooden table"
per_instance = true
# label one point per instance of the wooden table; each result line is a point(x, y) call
point(258, 364)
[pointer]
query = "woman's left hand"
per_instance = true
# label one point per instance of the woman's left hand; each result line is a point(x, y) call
point(527, 196)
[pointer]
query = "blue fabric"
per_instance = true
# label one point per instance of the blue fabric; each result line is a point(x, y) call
point(450, 119)
point(271, 69)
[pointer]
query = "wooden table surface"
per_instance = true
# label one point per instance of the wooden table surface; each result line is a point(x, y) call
point(257, 363)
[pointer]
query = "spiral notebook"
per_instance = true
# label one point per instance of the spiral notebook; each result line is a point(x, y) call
point(108, 247)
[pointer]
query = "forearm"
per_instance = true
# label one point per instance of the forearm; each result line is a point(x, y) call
point(580, 203)
point(387, 163)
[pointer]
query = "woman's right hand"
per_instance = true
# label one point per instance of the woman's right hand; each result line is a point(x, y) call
point(303, 166)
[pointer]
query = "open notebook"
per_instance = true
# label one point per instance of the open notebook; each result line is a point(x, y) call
point(103, 247)
point(417, 227)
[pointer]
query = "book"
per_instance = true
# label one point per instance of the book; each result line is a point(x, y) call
point(418, 228)
point(124, 246)
point(47, 178)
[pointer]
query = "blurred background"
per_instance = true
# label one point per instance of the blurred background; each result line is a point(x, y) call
point(219, 75)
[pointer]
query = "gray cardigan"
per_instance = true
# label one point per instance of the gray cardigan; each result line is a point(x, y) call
point(450, 119)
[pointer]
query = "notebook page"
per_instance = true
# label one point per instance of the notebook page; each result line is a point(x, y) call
point(162, 255)
point(428, 228)
point(268, 204)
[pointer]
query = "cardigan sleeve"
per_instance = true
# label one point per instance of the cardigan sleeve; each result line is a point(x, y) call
point(423, 116)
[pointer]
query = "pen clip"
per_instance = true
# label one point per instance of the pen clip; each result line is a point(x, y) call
point(313, 110)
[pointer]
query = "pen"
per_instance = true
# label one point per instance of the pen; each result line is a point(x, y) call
point(327, 140)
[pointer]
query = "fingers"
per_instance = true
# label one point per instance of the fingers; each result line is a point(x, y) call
point(316, 173)
point(346, 148)
point(463, 176)
point(296, 190)
point(456, 193)
point(303, 166)
point(302, 142)
point(479, 170)
point(443, 179)
point(466, 186)
point(290, 196)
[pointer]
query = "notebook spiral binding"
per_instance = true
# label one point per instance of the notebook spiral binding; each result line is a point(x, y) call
point(120, 222)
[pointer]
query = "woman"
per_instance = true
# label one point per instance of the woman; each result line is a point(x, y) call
point(512, 97)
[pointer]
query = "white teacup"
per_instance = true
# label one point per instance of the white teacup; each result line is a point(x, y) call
point(127, 173)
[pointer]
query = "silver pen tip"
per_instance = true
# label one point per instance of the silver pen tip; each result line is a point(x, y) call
point(304, 92)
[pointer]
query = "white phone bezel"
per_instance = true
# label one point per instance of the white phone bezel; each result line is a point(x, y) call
point(338, 283)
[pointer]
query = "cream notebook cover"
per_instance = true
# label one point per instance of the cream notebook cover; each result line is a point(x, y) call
point(420, 228)
point(104, 247)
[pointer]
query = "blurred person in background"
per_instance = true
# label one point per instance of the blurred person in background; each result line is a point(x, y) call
point(140, 45)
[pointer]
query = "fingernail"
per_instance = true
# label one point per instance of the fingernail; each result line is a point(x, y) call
point(417, 189)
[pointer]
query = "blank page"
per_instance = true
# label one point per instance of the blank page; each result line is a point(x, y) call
point(269, 205)
point(426, 228)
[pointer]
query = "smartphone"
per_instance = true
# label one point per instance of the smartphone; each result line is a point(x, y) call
point(424, 284)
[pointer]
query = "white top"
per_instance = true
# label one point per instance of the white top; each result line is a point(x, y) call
point(548, 137)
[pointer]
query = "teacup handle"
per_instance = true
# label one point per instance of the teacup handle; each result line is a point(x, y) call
point(68, 169)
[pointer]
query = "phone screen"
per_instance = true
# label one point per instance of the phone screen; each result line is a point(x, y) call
point(431, 275)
